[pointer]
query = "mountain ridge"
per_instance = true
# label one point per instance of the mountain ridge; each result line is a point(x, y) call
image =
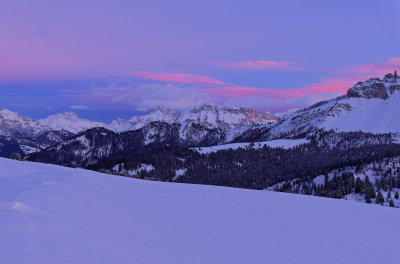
point(211, 115)
point(370, 106)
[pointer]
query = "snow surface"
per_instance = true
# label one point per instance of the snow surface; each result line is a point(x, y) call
point(51, 214)
point(368, 115)
point(278, 143)
point(179, 173)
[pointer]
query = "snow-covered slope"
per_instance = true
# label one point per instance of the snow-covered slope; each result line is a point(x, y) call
point(69, 122)
point(370, 106)
point(52, 214)
point(368, 115)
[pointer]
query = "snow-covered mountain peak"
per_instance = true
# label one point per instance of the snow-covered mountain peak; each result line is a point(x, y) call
point(6, 112)
point(160, 113)
point(369, 106)
point(12, 123)
point(206, 107)
point(70, 115)
point(376, 87)
point(162, 109)
point(9, 115)
point(70, 122)
point(213, 115)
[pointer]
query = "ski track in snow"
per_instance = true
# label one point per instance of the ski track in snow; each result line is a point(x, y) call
point(51, 214)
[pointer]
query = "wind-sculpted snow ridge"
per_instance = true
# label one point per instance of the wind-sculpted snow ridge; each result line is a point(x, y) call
point(52, 214)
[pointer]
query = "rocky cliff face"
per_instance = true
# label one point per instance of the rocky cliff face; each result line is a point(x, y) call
point(376, 87)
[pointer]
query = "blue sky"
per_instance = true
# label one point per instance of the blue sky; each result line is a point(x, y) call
point(109, 59)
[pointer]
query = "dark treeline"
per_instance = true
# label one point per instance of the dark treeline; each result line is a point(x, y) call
point(344, 182)
point(258, 168)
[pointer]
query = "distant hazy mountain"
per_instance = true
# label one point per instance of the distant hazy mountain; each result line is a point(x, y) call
point(212, 116)
point(69, 122)
point(160, 113)
point(226, 117)
point(14, 124)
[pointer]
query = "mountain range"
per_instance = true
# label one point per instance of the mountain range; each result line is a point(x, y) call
point(210, 115)
point(346, 147)
point(369, 106)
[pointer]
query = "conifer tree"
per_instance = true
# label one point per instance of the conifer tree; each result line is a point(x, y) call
point(358, 185)
point(379, 198)
point(367, 198)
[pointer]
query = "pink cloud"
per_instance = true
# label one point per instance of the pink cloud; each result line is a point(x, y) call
point(326, 86)
point(377, 69)
point(197, 89)
point(260, 65)
point(347, 77)
point(177, 78)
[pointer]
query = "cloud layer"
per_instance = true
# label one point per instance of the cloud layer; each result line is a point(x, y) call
point(260, 65)
point(176, 78)
point(183, 91)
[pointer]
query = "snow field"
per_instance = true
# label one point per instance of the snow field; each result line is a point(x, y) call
point(51, 214)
